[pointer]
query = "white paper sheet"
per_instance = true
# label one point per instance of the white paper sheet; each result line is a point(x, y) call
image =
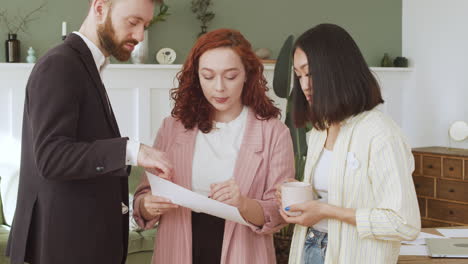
point(194, 201)
point(453, 232)
point(421, 239)
point(414, 250)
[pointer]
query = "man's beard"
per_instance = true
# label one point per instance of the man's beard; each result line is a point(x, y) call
point(107, 38)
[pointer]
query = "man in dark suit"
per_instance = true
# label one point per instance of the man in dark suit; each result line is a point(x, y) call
point(73, 187)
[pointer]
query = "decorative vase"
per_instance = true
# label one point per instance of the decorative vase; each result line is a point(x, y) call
point(386, 62)
point(12, 49)
point(203, 30)
point(263, 53)
point(140, 53)
point(31, 55)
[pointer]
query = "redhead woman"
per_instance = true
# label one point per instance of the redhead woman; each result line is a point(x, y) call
point(226, 142)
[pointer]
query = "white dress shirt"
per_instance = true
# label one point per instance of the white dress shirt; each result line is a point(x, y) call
point(216, 153)
point(133, 147)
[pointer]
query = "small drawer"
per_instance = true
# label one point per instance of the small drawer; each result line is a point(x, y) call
point(466, 170)
point(452, 190)
point(417, 164)
point(425, 223)
point(447, 211)
point(422, 206)
point(431, 166)
point(453, 168)
point(424, 186)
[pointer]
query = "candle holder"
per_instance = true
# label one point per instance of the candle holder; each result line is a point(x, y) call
point(64, 30)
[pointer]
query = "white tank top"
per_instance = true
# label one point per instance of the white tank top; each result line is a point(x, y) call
point(321, 174)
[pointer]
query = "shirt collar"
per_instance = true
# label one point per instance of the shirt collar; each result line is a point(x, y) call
point(99, 58)
point(238, 121)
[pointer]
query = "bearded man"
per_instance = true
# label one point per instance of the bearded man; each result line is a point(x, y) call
point(73, 186)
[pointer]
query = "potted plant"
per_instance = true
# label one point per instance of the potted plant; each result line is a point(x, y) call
point(162, 14)
point(14, 25)
point(282, 88)
point(200, 8)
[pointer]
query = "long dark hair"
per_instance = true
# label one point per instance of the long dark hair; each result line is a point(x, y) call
point(341, 82)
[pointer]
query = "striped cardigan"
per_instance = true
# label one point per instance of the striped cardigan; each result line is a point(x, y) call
point(371, 172)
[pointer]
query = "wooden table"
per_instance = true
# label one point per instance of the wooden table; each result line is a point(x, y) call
point(429, 260)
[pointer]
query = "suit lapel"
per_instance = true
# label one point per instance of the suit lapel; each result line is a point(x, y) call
point(248, 161)
point(79, 45)
point(249, 157)
point(183, 156)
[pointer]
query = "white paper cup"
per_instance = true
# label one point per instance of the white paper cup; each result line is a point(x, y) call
point(295, 193)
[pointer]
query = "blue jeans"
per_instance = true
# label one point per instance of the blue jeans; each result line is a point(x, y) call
point(315, 247)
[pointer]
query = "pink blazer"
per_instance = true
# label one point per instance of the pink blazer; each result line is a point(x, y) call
point(265, 159)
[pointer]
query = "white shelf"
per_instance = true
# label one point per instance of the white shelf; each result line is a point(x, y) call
point(267, 66)
point(391, 69)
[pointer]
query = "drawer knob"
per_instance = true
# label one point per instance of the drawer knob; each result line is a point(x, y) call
point(451, 190)
point(451, 169)
point(451, 212)
point(430, 166)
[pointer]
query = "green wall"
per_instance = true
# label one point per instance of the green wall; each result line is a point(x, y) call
point(374, 24)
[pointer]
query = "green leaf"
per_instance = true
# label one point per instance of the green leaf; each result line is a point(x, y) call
point(298, 136)
point(282, 74)
point(164, 8)
point(299, 162)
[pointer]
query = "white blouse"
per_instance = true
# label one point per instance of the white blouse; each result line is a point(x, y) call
point(216, 152)
point(321, 175)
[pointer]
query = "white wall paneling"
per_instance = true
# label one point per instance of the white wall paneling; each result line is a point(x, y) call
point(140, 95)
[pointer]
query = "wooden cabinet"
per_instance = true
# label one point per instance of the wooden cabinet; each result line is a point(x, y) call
point(441, 183)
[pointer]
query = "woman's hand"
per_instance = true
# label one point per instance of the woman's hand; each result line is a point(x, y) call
point(278, 191)
point(152, 206)
point(312, 212)
point(228, 192)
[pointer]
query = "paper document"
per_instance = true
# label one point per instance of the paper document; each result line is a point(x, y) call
point(414, 250)
point(194, 201)
point(453, 232)
point(421, 240)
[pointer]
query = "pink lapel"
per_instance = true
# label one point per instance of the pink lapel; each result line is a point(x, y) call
point(182, 158)
point(249, 157)
point(248, 161)
point(184, 148)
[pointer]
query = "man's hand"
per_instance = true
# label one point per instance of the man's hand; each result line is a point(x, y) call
point(155, 162)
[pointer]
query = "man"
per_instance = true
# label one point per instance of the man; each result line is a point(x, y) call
point(73, 190)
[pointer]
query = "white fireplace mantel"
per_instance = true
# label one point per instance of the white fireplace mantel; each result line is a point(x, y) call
point(140, 95)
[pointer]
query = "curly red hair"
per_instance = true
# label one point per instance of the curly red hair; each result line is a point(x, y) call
point(193, 109)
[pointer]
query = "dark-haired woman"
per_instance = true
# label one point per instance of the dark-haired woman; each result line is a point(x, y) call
point(358, 160)
point(225, 142)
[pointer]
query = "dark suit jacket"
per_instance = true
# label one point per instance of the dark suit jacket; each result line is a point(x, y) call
point(73, 176)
